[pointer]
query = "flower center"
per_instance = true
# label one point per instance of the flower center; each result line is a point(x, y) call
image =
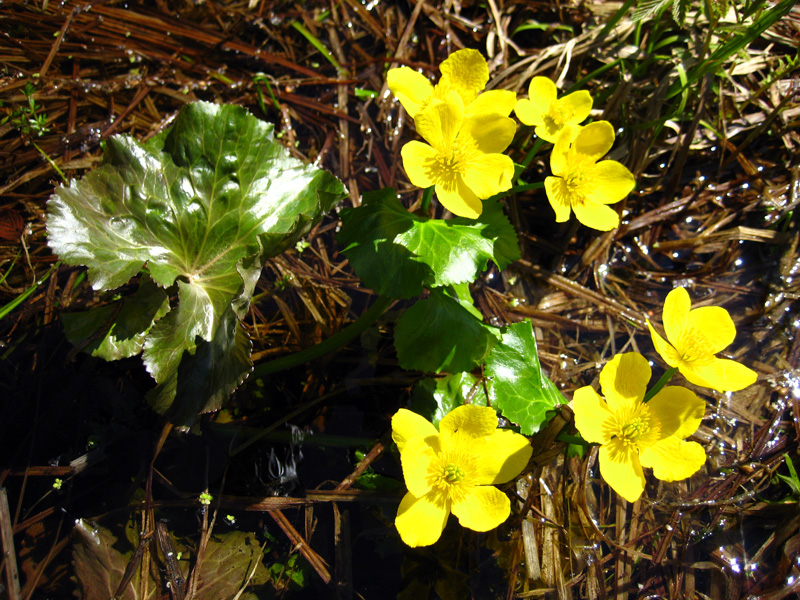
point(453, 474)
point(633, 429)
point(693, 345)
point(448, 166)
point(637, 430)
point(555, 117)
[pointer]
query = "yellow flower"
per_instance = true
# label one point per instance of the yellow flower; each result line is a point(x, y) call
point(549, 114)
point(453, 470)
point(464, 72)
point(695, 336)
point(463, 156)
point(633, 434)
point(581, 184)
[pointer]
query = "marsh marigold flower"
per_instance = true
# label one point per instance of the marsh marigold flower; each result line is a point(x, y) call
point(694, 336)
point(462, 158)
point(633, 434)
point(453, 470)
point(464, 72)
point(581, 184)
point(548, 113)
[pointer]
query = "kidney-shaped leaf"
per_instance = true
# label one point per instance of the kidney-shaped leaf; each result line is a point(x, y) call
point(397, 253)
point(520, 390)
point(204, 203)
point(442, 333)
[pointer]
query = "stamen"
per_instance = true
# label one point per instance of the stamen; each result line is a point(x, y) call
point(452, 474)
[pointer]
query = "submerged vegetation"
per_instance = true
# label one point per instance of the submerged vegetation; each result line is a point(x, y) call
point(347, 333)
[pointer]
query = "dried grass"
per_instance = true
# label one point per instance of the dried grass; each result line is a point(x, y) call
point(714, 211)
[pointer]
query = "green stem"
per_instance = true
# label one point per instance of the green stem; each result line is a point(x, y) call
point(661, 383)
point(318, 45)
point(426, 200)
point(332, 343)
point(532, 152)
point(4, 310)
point(572, 439)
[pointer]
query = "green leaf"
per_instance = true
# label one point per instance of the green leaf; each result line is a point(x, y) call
point(293, 574)
point(433, 398)
point(203, 204)
point(118, 330)
point(204, 380)
point(397, 253)
point(520, 391)
point(442, 333)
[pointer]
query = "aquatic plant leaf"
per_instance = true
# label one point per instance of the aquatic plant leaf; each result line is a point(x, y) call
point(229, 560)
point(293, 574)
point(520, 391)
point(118, 330)
point(433, 397)
point(397, 253)
point(203, 205)
point(442, 333)
point(100, 566)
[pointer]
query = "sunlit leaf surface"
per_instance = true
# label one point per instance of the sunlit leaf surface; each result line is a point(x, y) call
point(433, 397)
point(442, 333)
point(202, 205)
point(397, 253)
point(520, 390)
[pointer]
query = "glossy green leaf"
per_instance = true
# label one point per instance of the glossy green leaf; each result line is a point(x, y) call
point(520, 390)
point(433, 397)
point(118, 330)
point(442, 333)
point(203, 205)
point(397, 253)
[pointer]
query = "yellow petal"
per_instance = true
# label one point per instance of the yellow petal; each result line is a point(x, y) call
point(559, 197)
point(559, 157)
point(482, 509)
point(594, 140)
point(676, 313)
point(673, 459)
point(468, 420)
point(465, 72)
point(494, 102)
point(596, 216)
point(501, 457)
point(610, 182)
point(416, 458)
point(440, 121)
point(591, 415)
point(456, 197)
point(542, 89)
point(410, 87)
point(664, 348)
point(529, 112)
point(541, 94)
point(715, 325)
point(678, 410)
point(420, 521)
point(488, 133)
point(489, 174)
point(624, 381)
point(620, 467)
point(407, 424)
point(720, 374)
point(575, 106)
point(419, 161)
